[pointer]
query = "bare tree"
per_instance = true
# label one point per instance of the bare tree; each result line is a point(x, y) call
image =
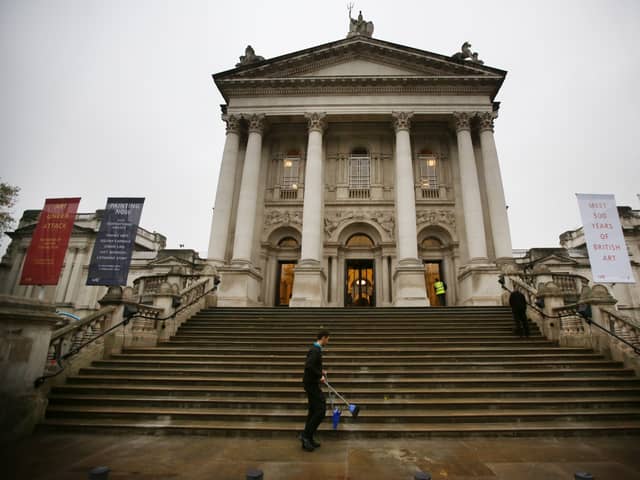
point(8, 197)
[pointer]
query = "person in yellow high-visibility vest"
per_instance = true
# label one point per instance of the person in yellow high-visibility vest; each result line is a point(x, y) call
point(441, 290)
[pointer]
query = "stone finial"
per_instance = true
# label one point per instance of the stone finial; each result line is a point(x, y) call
point(317, 121)
point(249, 57)
point(256, 122)
point(359, 26)
point(233, 123)
point(485, 121)
point(466, 55)
point(462, 120)
point(401, 120)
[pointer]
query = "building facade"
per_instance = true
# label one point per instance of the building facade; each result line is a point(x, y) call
point(356, 173)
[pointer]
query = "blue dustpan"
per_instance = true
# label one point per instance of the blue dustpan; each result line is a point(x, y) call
point(336, 417)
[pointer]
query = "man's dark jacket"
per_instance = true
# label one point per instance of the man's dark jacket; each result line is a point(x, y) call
point(313, 366)
point(517, 301)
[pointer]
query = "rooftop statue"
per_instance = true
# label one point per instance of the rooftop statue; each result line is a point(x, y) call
point(249, 57)
point(466, 55)
point(359, 26)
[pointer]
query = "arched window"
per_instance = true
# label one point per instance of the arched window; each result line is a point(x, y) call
point(428, 163)
point(290, 175)
point(288, 242)
point(360, 240)
point(431, 242)
point(359, 173)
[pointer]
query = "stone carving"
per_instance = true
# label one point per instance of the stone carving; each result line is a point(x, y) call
point(437, 217)
point(282, 217)
point(383, 218)
point(402, 120)
point(233, 123)
point(256, 123)
point(466, 55)
point(359, 26)
point(317, 121)
point(486, 121)
point(249, 57)
point(462, 120)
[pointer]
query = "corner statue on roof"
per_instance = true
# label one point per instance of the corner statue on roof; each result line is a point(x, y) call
point(359, 26)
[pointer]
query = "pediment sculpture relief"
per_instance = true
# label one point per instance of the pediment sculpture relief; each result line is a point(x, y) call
point(437, 217)
point(383, 218)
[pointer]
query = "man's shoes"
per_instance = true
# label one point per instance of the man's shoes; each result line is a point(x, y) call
point(308, 445)
point(314, 443)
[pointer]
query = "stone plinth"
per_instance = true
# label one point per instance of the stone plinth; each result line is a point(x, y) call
point(478, 285)
point(410, 289)
point(239, 286)
point(308, 286)
point(25, 333)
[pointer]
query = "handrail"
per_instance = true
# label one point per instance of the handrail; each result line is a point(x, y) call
point(573, 308)
point(40, 380)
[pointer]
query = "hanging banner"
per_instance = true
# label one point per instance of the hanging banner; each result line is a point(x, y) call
point(112, 251)
point(49, 242)
point(605, 241)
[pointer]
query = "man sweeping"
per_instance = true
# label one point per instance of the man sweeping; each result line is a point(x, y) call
point(313, 376)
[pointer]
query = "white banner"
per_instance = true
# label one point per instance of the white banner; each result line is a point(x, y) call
point(605, 241)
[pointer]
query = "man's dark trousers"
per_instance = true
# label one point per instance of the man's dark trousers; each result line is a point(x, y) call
point(522, 326)
point(317, 409)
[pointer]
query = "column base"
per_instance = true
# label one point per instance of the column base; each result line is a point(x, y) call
point(478, 285)
point(410, 287)
point(308, 285)
point(239, 286)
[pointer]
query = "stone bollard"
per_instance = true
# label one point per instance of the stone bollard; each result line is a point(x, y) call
point(422, 476)
point(583, 476)
point(255, 474)
point(99, 473)
point(553, 298)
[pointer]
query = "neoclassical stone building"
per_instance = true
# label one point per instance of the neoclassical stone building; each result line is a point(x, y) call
point(357, 172)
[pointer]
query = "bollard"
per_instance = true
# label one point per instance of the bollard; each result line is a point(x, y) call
point(255, 474)
point(99, 473)
point(422, 476)
point(583, 476)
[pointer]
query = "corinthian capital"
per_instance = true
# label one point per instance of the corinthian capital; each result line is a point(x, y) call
point(317, 121)
point(462, 121)
point(233, 123)
point(485, 121)
point(256, 122)
point(401, 120)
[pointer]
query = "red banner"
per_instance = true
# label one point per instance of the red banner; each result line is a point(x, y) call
point(49, 242)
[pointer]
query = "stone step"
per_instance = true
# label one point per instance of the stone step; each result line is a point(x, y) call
point(351, 430)
point(297, 417)
point(341, 346)
point(372, 366)
point(351, 392)
point(288, 333)
point(382, 384)
point(312, 325)
point(170, 400)
point(352, 374)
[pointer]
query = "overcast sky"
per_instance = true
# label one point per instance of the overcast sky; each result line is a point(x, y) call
point(115, 98)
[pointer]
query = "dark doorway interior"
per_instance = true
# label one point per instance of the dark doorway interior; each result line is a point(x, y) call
point(359, 284)
point(285, 283)
point(432, 271)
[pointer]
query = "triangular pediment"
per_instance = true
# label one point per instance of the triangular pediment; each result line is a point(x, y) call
point(359, 67)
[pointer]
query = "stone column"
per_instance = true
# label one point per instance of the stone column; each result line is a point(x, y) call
point(16, 267)
point(409, 275)
point(63, 284)
point(495, 191)
point(247, 202)
point(240, 283)
point(308, 284)
point(76, 273)
point(224, 193)
point(476, 243)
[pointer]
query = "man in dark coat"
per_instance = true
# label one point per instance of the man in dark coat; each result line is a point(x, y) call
point(518, 304)
point(313, 376)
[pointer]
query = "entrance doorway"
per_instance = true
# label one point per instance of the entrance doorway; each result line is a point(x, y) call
point(359, 284)
point(433, 271)
point(285, 283)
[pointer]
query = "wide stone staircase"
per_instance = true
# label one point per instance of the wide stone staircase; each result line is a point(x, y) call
point(453, 371)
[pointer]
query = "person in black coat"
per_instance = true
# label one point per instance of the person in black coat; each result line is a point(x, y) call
point(518, 304)
point(314, 375)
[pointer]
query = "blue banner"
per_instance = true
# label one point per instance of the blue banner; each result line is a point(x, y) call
point(112, 251)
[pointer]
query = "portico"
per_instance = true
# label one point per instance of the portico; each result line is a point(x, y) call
point(358, 139)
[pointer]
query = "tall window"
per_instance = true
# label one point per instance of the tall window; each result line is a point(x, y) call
point(359, 173)
point(429, 174)
point(290, 175)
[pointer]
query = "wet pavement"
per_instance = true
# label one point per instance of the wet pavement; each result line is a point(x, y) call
point(59, 456)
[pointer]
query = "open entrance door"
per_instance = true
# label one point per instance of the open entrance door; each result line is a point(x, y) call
point(359, 284)
point(285, 283)
point(432, 272)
